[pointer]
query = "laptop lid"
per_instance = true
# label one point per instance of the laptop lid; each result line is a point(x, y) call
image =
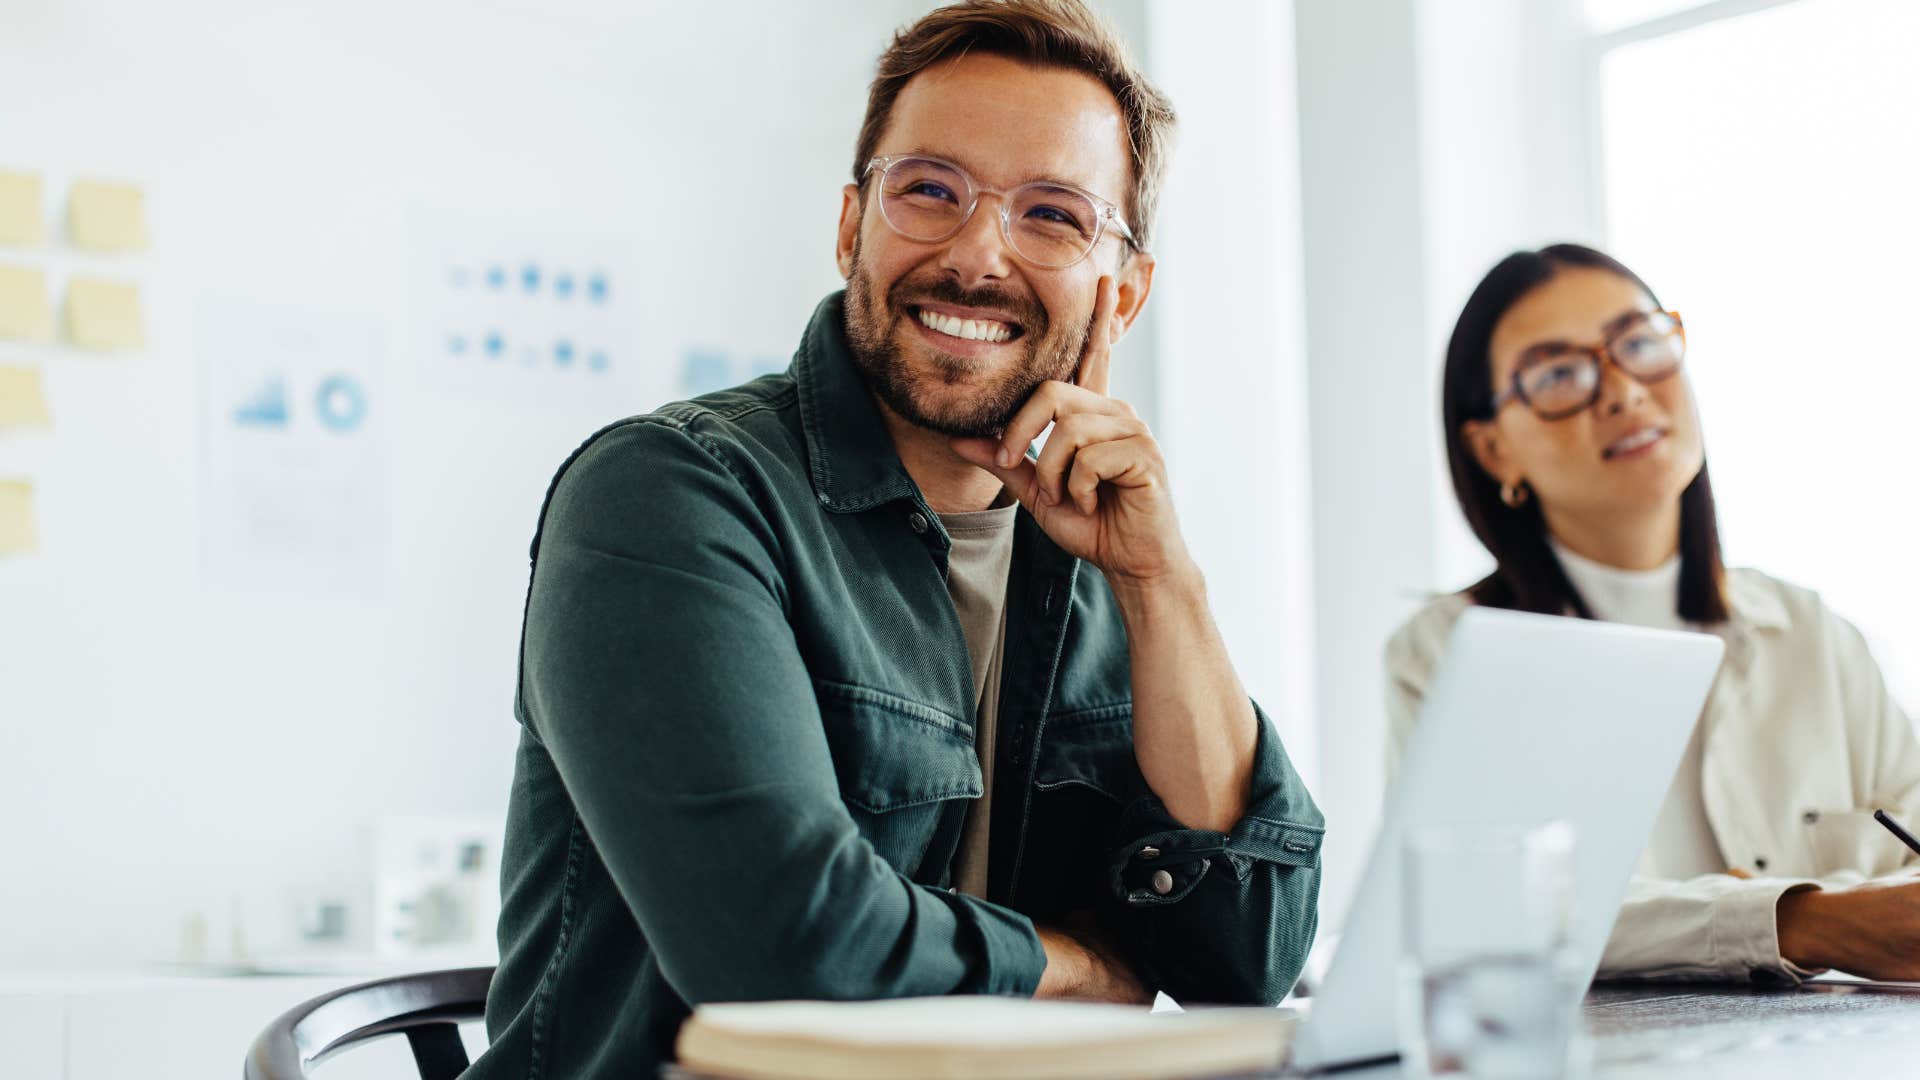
point(1530, 718)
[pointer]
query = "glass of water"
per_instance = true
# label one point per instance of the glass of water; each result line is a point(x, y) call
point(1488, 986)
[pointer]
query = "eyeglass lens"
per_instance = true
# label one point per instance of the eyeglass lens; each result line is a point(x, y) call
point(929, 200)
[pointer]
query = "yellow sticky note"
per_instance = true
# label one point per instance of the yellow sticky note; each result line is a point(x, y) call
point(104, 314)
point(16, 517)
point(24, 312)
point(22, 402)
point(103, 216)
point(20, 223)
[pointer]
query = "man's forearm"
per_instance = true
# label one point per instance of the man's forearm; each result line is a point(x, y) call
point(1194, 730)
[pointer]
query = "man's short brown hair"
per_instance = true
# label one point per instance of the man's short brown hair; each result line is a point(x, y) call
point(1048, 33)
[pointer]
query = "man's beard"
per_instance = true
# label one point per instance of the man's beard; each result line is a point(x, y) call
point(875, 325)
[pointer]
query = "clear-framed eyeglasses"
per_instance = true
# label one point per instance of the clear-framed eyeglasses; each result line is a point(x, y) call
point(1050, 225)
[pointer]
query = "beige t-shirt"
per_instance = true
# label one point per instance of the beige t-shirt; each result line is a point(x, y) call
point(977, 567)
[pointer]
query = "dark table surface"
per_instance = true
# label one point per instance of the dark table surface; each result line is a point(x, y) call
point(1683, 1030)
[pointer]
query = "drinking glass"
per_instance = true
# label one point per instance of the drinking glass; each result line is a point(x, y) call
point(1488, 984)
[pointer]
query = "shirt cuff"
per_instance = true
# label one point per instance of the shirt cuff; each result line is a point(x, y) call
point(1165, 860)
point(1014, 958)
point(1745, 931)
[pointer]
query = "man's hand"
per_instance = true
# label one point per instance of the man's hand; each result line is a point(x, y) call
point(1083, 964)
point(1099, 488)
point(1871, 930)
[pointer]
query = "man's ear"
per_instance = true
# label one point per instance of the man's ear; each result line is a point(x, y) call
point(1483, 439)
point(849, 232)
point(1134, 282)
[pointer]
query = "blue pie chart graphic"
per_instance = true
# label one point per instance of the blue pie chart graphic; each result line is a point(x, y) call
point(341, 404)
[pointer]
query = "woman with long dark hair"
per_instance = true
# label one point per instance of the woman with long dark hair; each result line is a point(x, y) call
point(1576, 453)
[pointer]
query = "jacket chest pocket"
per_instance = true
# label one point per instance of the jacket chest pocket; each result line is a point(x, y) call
point(1085, 777)
point(899, 765)
point(1850, 840)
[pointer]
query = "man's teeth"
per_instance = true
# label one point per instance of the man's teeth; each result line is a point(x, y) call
point(971, 329)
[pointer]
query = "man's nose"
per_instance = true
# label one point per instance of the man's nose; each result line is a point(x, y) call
point(978, 252)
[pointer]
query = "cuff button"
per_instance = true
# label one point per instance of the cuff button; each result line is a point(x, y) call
point(1162, 882)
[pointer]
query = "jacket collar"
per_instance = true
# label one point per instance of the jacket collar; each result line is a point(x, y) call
point(1754, 604)
point(850, 456)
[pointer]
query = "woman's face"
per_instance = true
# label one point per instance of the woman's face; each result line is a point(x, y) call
point(1634, 450)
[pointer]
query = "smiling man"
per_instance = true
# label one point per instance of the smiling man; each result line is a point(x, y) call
point(831, 688)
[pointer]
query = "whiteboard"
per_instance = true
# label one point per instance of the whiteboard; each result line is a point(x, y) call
point(172, 743)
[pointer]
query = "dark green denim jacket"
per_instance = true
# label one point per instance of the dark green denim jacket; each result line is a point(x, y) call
point(747, 750)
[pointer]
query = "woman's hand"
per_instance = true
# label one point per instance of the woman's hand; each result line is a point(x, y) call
point(1871, 930)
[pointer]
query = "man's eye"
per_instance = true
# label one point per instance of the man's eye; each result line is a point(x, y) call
point(1055, 216)
point(929, 189)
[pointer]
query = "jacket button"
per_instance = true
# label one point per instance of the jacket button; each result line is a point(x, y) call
point(1810, 816)
point(1149, 852)
point(1162, 882)
point(919, 521)
point(1759, 862)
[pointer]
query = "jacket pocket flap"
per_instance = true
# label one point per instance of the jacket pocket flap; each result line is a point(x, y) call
point(1091, 749)
point(890, 753)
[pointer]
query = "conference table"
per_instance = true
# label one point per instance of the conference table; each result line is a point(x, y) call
point(1682, 1030)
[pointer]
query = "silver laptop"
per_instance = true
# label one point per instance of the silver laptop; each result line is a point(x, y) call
point(1530, 718)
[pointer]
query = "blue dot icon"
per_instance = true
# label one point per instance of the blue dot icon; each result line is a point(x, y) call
point(495, 345)
point(496, 277)
point(597, 288)
point(563, 285)
point(530, 278)
point(457, 345)
point(563, 353)
point(598, 361)
point(702, 370)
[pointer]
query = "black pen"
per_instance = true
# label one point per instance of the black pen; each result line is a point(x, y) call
point(1893, 827)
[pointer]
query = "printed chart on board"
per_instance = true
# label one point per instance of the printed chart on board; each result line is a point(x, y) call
point(293, 430)
point(522, 312)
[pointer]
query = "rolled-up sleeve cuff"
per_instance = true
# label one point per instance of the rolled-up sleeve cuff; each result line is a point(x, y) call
point(1164, 861)
point(1745, 931)
point(1014, 957)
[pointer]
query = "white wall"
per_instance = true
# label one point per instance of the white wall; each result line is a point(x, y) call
point(1231, 349)
point(166, 748)
point(1436, 136)
point(1367, 387)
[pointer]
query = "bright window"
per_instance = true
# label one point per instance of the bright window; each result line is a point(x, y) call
point(1762, 171)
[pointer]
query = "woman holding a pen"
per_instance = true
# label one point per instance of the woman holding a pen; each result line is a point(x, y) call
point(1576, 454)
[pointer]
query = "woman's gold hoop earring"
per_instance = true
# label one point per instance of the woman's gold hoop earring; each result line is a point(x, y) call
point(1515, 495)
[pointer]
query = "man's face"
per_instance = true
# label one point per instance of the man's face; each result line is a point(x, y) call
point(1005, 123)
